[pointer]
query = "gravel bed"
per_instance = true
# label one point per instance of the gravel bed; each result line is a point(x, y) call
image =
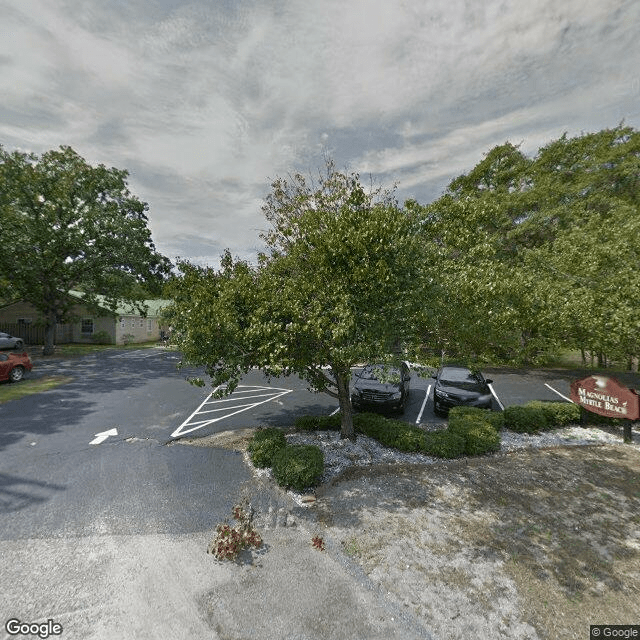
point(342, 454)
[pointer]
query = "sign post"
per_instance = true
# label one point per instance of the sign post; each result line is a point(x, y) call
point(607, 397)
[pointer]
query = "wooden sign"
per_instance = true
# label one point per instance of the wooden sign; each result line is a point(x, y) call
point(606, 397)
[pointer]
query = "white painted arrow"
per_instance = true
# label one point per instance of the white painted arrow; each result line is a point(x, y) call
point(101, 437)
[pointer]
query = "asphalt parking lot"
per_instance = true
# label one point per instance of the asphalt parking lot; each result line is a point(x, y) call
point(258, 401)
point(144, 390)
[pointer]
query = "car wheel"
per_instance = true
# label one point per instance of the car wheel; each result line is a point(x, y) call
point(17, 373)
point(19, 344)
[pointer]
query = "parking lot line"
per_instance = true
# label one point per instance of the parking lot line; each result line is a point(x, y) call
point(424, 403)
point(190, 424)
point(495, 395)
point(555, 391)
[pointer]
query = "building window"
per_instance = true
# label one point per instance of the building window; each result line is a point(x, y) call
point(122, 323)
point(141, 323)
point(87, 326)
point(149, 325)
point(133, 323)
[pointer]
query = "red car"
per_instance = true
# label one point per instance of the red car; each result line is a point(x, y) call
point(13, 365)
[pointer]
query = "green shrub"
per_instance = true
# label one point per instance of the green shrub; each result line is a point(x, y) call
point(408, 438)
point(298, 466)
point(373, 425)
point(318, 423)
point(306, 423)
point(524, 419)
point(558, 414)
point(101, 337)
point(330, 423)
point(264, 445)
point(388, 432)
point(494, 418)
point(269, 433)
point(444, 444)
point(481, 439)
point(479, 436)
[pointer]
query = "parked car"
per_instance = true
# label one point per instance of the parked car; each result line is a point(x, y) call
point(13, 366)
point(457, 386)
point(380, 386)
point(10, 342)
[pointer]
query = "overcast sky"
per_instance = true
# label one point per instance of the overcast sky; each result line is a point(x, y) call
point(206, 102)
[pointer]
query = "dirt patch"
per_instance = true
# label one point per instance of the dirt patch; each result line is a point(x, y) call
point(532, 544)
point(236, 440)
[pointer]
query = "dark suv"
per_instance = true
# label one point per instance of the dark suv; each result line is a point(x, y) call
point(457, 386)
point(380, 386)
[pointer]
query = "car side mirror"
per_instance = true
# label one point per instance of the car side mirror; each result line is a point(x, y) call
point(488, 380)
point(435, 376)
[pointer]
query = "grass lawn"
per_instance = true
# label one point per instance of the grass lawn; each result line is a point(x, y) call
point(74, 350)
point(14, 390)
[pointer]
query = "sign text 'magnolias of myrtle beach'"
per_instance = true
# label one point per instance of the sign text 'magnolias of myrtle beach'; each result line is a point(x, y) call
point(606, 397)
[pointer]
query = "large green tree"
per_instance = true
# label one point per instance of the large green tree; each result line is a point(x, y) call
point(342, 282)
point(544, 249)
point(69, 225)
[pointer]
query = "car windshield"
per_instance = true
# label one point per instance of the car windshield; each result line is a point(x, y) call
point(459, 378)
point(381, 373)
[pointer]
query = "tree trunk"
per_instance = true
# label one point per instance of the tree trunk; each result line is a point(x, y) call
point(342, 382)
point(49, 335)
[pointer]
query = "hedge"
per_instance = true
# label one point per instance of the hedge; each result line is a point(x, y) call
point(494, 418)
point(318, 423)
point(264, 445)
point(479, 435)
point(525, 419)
point(298, 466)
point(557, 414)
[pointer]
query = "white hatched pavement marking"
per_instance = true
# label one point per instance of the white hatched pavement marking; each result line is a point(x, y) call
point(268, 393)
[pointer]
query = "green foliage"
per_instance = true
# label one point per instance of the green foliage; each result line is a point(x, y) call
point(390, 433)
point(444, 444)
point(298, 467)
point(494, 418)
point(558, 414)
point(479, 436)
point(264, 445)
point(523, 419)
point(101, 337)
point(72, 226)
point(341, 282)
point(318, 423)
point(540, 237)
point(410, 439)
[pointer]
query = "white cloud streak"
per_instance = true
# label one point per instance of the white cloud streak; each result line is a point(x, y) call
point(205, 102)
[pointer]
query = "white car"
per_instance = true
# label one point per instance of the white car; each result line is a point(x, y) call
point(10, 342)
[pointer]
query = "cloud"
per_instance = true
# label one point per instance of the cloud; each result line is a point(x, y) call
point(205, 103)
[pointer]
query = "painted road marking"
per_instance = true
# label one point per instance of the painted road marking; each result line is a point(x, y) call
point(231, 405)
point(101, 437)
point(493, 393)
point(554, 391)
point(424, 403)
